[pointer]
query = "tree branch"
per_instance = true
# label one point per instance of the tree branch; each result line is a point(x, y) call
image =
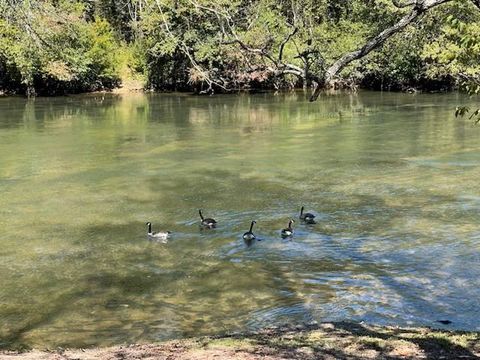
point(419, 8)
point(285, 41)
point(476, 3)
point(399, 4)
point(278, 67)
point(206, 75)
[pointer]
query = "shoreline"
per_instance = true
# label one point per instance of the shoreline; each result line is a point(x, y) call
point(337, 340)
point(136, 88)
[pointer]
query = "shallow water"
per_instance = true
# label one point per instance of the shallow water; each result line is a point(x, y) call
point(393, 179)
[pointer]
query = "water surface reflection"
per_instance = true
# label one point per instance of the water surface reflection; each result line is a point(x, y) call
point(393, 179)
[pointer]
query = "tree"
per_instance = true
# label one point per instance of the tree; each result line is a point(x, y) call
point(309, 63)
point(50, 48)
point(458, 50)
point(55, 46)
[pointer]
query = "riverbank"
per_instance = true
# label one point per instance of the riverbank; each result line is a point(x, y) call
point(340, 340)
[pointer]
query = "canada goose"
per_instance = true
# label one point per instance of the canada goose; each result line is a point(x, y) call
point(207, 222)
point(307, 217)
point(161, 235)
point(288, 231)
point(249, 235)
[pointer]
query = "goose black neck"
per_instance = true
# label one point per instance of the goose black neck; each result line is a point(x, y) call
point(149, 227)
point(290, 224)
point(200, 213)
point(251, 226)
point(301, 211)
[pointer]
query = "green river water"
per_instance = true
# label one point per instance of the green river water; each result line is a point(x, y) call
point(394, 180)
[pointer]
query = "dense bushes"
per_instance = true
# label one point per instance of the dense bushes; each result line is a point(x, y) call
point(46, 49)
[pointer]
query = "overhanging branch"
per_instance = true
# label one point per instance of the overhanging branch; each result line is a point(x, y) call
point(400, 4)
point(421, 6)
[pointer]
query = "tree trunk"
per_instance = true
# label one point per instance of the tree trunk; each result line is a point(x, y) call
point(30, 92)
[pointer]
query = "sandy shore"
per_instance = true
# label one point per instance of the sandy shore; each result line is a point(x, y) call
point(322, 341)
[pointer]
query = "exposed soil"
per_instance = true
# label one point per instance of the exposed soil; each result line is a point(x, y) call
point(321, 341)
point(129, 86)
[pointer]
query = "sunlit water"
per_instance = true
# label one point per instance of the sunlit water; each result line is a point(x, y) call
point(393, 178)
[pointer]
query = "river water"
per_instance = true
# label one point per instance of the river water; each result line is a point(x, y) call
point(394, 180)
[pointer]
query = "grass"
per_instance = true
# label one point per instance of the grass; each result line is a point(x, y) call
point(342, 340)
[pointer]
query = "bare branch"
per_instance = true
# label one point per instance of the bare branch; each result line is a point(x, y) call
point(400, 4)
point(225, 18)
point(285, 41)
point(186, 51)
point(278, 72)
point(262, 52)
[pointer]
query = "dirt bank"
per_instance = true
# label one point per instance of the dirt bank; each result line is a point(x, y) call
point(323, 341)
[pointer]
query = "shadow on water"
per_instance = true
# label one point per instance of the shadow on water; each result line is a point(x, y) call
point(14, 335)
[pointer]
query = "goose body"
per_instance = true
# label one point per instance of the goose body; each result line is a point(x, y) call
point(207, 222)
point(161, 235)
point(307, 217)
point(288, 231)
point(249, 235)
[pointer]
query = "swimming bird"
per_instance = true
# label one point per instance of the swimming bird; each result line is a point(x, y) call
point(161, 235)
point(207, 222)
point(307, 217)
point(249, 235)
point(288, 231)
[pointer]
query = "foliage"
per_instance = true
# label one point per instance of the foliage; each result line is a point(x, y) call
point(51, 49)
point(462, 111)
point(456, 51)
point(56, 46)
